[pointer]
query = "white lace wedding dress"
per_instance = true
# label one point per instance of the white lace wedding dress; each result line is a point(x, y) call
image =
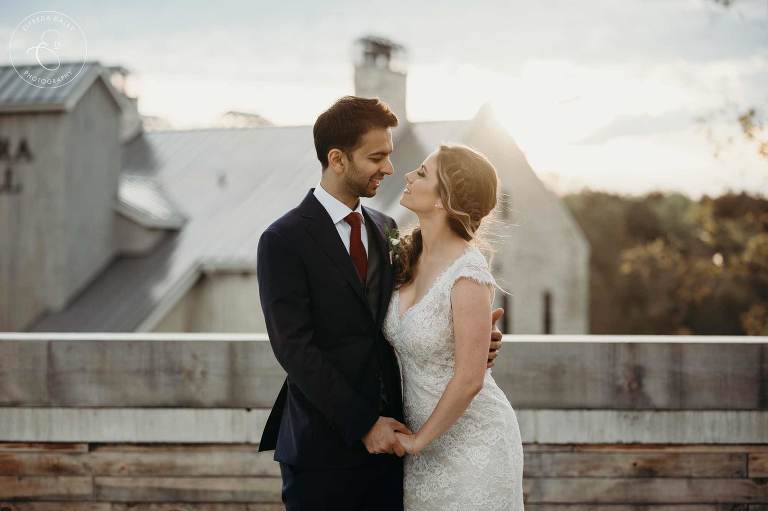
point(478, 462)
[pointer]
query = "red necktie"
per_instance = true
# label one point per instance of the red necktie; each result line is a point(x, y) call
point(356, 248)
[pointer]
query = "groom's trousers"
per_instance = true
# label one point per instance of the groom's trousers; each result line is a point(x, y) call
point(373, 487)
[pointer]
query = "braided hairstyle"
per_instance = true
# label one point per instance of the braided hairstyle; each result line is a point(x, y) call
point(467, 184)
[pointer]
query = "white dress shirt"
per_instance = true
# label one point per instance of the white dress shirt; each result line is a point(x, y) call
point(337, 211)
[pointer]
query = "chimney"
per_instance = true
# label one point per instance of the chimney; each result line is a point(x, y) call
point(130, 120)
point(380, 72)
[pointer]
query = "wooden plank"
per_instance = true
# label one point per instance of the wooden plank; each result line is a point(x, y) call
point(758, 464)
point(192, 489)
point(43, 446)
point(45, 487)
point(173, 447)
point(611, 464)
point(218, 425)
point(535, 447)
point(159, 462)
point(109, 424)
point(178, 506)
point(557, 426)
point(180, 463)
point(631, 375)
point(205, 374)
point(36, 463)
point(576, 490)
point(722, 376)
point(235, 374)
point(197, 506)
point(113, 424)
point(55, 506)
point(635, 447)
point(640, 507)
point(647, 447)
point(107, 506)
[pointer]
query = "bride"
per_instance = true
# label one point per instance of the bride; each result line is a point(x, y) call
point(466, 452)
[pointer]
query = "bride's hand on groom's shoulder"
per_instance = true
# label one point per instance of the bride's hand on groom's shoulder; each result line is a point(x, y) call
point(411, 443)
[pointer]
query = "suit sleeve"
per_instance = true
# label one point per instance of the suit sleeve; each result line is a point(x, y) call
point(285, 300)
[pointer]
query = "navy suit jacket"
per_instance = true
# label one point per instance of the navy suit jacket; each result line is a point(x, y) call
point(327, 339)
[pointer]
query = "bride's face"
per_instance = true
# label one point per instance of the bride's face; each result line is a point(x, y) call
point(420, 194)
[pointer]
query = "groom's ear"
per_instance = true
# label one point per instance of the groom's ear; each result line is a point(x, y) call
point(337, 160)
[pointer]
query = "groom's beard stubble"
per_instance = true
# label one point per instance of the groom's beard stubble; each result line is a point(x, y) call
point(355, 185)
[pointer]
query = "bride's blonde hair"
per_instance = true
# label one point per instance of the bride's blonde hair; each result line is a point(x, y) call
point(467, 183)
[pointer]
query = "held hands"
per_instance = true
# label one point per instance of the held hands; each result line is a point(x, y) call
point(411, 443)
point(381, 438)
point(495, 337)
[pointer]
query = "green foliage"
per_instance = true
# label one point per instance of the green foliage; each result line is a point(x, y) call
point(665, 264)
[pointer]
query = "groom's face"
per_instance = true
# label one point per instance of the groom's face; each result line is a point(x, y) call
point(369, 163)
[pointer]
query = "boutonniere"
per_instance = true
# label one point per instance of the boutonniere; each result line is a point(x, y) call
point(393, 243)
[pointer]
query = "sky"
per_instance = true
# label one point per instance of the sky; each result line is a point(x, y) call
point(627, 96)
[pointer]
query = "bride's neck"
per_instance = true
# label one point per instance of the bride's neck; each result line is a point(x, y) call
point(437, 238)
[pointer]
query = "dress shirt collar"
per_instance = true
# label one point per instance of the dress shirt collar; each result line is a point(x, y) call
point(336, 209)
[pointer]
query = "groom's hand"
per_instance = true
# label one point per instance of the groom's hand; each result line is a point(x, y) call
point(495, 337)
point(381, 438)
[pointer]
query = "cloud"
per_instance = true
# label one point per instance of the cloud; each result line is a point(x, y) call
point(639, 125)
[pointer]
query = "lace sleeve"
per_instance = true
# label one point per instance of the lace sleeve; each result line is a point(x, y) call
point(475, 268)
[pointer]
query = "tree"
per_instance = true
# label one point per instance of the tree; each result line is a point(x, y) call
point(651, 277)
point(751, 121)
point(665, 264)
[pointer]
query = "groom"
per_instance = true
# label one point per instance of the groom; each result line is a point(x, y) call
point(325, 280)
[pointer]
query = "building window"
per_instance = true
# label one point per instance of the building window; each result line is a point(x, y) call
point(506, 319)
point(547, 312)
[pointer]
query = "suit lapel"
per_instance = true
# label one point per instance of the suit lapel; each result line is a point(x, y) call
point(321, 228)
point(385, 283)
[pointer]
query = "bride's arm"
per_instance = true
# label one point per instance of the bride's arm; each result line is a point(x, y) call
point(471, 306)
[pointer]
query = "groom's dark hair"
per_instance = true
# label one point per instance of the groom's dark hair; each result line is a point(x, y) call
point(343, 125)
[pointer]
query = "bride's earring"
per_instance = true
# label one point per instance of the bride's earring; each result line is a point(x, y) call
point(438, 205)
